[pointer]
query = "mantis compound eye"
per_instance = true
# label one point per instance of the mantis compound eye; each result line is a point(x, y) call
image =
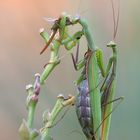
point(111, 44)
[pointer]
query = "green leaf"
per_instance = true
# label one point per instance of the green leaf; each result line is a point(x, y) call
point(24, 131)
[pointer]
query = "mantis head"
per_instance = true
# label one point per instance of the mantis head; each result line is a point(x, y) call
point(111, 44)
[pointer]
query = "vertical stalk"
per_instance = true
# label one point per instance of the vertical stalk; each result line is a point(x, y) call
point(31, 105)
point(54, 58)
point(31, 112)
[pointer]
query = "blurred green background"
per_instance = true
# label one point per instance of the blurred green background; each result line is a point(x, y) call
point(20, 44)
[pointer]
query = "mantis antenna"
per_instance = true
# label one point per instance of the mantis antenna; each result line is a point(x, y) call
point(115, 21)
point(78, 9)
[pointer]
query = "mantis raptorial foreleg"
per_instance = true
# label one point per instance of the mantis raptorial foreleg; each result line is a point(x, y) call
point(73, 40)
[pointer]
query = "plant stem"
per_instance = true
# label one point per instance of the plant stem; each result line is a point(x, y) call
point(31, 112)
point(60, 104)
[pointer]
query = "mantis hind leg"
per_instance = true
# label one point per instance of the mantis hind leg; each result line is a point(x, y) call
point(75, 59)
point(105, 117)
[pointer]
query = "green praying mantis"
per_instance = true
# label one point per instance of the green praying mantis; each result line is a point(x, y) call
point(93, 64)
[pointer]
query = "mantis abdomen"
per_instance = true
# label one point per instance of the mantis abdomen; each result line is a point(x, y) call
point(83, 109)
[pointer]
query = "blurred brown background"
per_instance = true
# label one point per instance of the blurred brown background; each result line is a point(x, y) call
point(20, 44)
